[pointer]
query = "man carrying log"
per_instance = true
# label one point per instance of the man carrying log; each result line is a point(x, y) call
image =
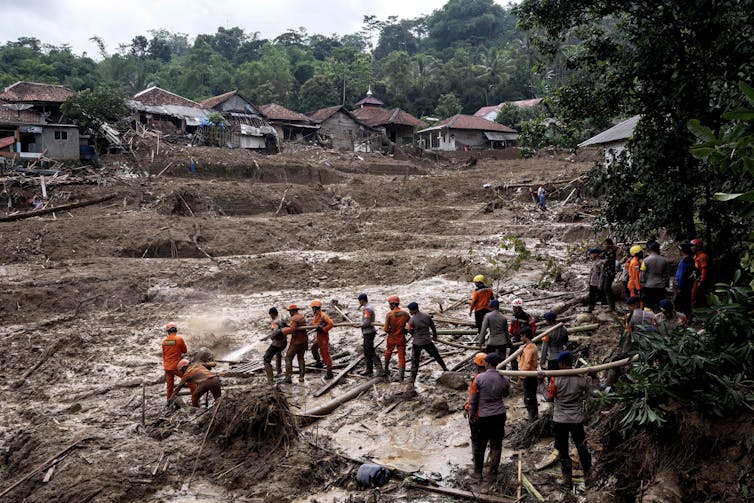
point(173, 349)
point(322, 343)
point(569, 393)
point(480, 301)
point(277, 344)
point(497, 325)
point(395, 327)
point(298, 344)
point(368, 332)
point(419, 326)
point(528, 361)
point(486, 408)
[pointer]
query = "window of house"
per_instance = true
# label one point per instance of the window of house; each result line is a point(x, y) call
point(61, 135)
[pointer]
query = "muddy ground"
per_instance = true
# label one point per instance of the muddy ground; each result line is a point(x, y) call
point(86, 293)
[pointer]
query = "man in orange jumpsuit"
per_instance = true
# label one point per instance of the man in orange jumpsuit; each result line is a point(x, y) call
point(701, 265)
point(322, 343)
point(173, 349)
point(634, 271)
point(201, 378)
point(395, 326)
point(298, 344)
point(480, 301)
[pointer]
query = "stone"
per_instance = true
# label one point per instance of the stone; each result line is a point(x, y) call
point(453, 380)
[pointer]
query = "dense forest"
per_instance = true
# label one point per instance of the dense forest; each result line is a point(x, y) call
point(463, 56)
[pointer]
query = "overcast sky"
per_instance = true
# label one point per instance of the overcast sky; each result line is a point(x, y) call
point(118, 21)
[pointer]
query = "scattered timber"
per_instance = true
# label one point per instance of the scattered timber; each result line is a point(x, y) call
point(518, 351)
point(458, 493)
point(567, 372)
point(80, 204)
point(330, 406)
point(457, 345)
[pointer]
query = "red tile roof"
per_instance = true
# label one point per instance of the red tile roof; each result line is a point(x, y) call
point(32, 91)
point(216, 100)
point(156, 96)
point(485, 110)
point(325, 113)
point(276, 112)
point(461, 121)
point(376, 116)
point(10, 116)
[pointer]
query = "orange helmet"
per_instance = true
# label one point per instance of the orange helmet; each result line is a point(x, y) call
point(292, 307)
point(183, 363)
point(171, 327)
point(479, 359)
point(317, 303)
point(393, 299)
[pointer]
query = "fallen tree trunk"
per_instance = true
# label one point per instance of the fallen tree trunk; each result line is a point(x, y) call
point(567, 372)
point(518, 351)
point(333, 404)
point(46, 211)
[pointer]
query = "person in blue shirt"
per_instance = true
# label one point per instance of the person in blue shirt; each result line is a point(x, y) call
point(684, 279)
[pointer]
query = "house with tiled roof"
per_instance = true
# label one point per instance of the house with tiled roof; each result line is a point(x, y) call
point(246, 128)
point(168, 112)
point(467, 132)
point(490, 112)
point(25, 133)
point(340, 129)
point(290, 125)
point(398, 125)
point(45, 99)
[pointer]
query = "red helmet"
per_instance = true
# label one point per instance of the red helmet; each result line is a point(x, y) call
point(293, 307)
point(171, 327)
point(393, 299)
point(183, 363)
point(697, 242)
point(317, 303)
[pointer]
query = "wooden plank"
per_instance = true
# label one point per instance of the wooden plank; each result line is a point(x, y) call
point(461, 494)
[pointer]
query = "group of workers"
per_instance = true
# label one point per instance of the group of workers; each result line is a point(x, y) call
point(196, 374)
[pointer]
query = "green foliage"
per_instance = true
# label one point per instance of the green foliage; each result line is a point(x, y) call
point(448, 106)
point(710, 371)
point(216, 119)
point(90, 108)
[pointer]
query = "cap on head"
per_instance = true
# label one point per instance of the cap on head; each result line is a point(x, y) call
point(413, 306)
point(666, 305)
point(183, 364)
point(479, 278)
point(595, 250)
point(566, 358)
point(550, 316)
point(292, 307)
point(479, 359)
point(362, 296)
point(517, 303)
point(393, 299)
point(655, 247)
point(634, 250)
point(697, 242)
point(632, 301)
point(494, 303)
point(171, 327)
point(316, 303)
point(273, 310)
point(493, 359)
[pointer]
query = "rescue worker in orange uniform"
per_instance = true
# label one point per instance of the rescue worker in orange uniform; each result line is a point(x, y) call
point(173, 349)
point(480, 301)
point(701, 265)
point(297, 346)
point(395, 326)
point(322, 343)
point(634, 271)
point(201, 378)
point(528, 361)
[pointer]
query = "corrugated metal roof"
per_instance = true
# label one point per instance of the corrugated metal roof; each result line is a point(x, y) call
point(276, 112)
point(193, 115)
point(462, 121)
point(621, 131)
point(33, 91)
point(155, 96)
point(500, 136)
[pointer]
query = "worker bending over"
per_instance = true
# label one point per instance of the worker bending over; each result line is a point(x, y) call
point(203, 380)
point(420, 326)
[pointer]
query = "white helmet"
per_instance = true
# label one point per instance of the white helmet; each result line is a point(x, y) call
point(517, 303)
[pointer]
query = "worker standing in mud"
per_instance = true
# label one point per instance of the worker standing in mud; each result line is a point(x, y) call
point(487, 410)
point(322, 342)
point(277, 346)
point(497, 325)
point(173, 349)
point(480, 301)
point(395, 327)
point(298, 344)
point(528, 361)
point(419, 326)
point(368, 333)
point(701, 266)
point(569, 393)
point(479, 367)
point(519, 321)
point(201, 378)
point(553, 344)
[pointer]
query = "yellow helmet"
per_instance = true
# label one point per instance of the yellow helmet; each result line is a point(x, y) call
point(478, 278)
point(634, 250)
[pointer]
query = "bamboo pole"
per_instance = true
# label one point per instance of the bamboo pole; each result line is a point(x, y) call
point(457, 345)
point(567, 372)
point(345, 397)
point(80, 204)
point(518, 351)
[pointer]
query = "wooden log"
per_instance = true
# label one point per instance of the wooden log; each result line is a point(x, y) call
point(457, 345)
point(42, 466)
point(338, 377)
point(454, 321)
point(80, 204)
point(583, 328)
point(458, 493)
point(458, 366)
point(345, 397)
point(456, 332)
point(567, 372)
point(518, 351)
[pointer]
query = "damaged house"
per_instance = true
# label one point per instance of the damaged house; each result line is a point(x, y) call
point(397, 125)
point(159, 109)
point(290, 125)
point(32, 125)
point(340, 129)
point(246, 128)
point(467, 132)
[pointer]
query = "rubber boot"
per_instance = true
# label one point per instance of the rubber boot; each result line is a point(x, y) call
point(494, 461)
point(278, 365)
point(268, 373)
point(329, 375)
point(301, 374)
point(378, 367)
point(533, 414)
point(387, 371)
point(319, 364)
point(401, 373)
point(566, 469)
point(478, 464)
point(288, 373)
